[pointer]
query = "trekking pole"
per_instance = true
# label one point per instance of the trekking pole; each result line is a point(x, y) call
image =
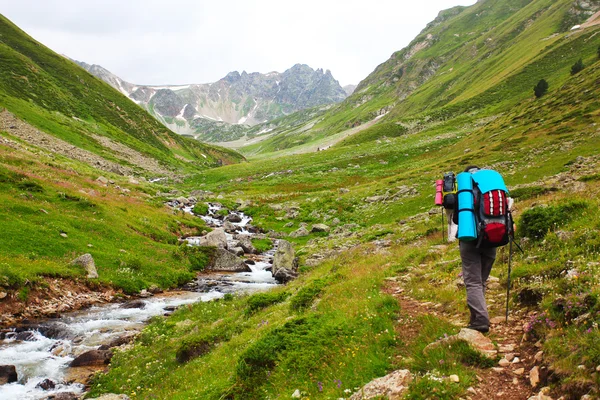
point(508, 284)
point(443, 240)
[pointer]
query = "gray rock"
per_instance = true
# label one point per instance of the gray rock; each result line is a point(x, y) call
point(284, 275)
point(87, 262)
point(320, 228)
point(112, 396)
point(225, 261)
point(216, 238)
point(238, 251)
point(245, 242)
point(102, 180)
point(229, 227)
point(285, 262)
point(8, 374)
point(133, 304)
point(233, 218)
point(300, 232)
point(391, 386)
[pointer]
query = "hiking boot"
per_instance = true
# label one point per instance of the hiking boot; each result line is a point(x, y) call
point(479, 328)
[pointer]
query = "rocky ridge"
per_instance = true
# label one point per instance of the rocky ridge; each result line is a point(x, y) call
point(206, 110)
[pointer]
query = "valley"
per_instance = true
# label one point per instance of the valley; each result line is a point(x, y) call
point(372, 287)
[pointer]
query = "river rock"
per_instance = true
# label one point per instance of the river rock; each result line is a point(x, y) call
point(245, 242)
point(225, 261)
point(238, 251)
point(63, 396)
point(229, 227)
point(92, 357)
point(8, 374)
point(216, 238)
point(133, 304)
point(233, 218)
point(25, 336)
point(87, 262)
point(46, 384)
point(392, 386)
point(285, 259)
point(284, 275)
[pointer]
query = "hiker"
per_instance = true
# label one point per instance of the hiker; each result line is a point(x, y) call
point(478, 240)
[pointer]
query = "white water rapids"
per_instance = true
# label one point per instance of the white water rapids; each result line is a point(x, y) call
point(50, 346)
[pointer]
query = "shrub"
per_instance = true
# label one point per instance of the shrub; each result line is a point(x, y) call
point(530, 192)
point(199, 257)
point(541, 88)
point(577, 67)
point(263, 300)
point(536, 222)
point(192, 348)
point(200, 209)
point(305, 296)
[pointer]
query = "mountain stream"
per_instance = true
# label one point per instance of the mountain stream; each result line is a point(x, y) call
point(43, 350)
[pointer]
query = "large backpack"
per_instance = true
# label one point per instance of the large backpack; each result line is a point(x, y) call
point(493, 219)
point(449, 191)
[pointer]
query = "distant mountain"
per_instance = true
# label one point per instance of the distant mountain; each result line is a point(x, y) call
point(61, 109)
point(349, 89)
point(236, 99)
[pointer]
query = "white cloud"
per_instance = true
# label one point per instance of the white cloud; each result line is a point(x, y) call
point(198, 41)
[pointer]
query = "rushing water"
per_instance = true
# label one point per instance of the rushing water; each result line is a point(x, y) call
point(44, 349)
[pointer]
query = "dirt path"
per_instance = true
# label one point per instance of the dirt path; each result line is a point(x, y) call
point(510, 382)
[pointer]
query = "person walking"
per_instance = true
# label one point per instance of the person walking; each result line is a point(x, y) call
point(478, 254)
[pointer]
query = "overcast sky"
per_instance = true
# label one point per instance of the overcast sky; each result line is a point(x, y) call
point(200, 41)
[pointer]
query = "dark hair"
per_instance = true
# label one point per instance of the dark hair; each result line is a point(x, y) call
point(470, 167)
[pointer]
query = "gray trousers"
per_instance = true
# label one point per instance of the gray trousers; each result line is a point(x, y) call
point(476, 268)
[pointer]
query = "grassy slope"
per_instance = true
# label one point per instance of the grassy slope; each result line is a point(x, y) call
point(482, 60)
point(342, 337)
point(49, 92)
point(132, 237)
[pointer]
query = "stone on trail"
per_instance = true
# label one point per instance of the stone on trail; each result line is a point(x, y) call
point(87, 262)
point(534, 376)
point(392, 386)
point(474, 338)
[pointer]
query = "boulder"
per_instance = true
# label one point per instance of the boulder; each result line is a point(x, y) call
point(245, 242)
point(120, 341)
point(133, 304)
point(229, 227)
point(392, 386)
point(233, 218)
point(8, 374)
point(302, 231)
point(92, 357)
point(238, 251)
point(320, 228)
point(225, 261)
point(216, 238)
point(285, 262)
point(87, 262)
point(284, 275)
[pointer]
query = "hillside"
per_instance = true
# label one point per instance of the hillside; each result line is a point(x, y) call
point(478, 61)
point(379, 288)
point(76, 164)
point(49, 93)
point(223, 111)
